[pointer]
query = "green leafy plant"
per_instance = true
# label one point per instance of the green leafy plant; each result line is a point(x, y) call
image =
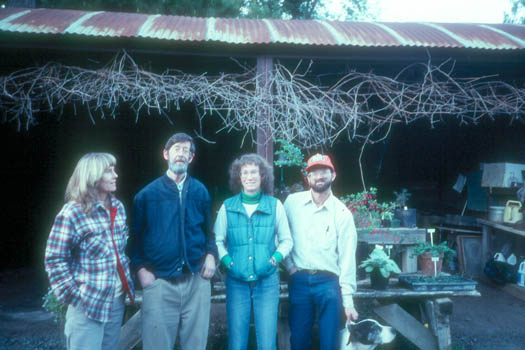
point(378, 259)
point(55, 306)
point(434, 250)
point(402, 197)
point(289, 154)
point(367, 210)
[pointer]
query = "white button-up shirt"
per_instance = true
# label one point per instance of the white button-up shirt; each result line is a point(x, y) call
point(324, 238)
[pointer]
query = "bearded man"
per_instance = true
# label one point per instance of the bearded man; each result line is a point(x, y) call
point(173, 253)
point(322, 262)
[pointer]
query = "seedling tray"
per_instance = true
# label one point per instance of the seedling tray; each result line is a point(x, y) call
point(419, 282)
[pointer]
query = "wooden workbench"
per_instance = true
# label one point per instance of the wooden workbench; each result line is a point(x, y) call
point(488, 228)
point(435, 305)
point(404, 236)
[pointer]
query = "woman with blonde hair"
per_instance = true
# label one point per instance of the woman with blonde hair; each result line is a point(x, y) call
point(252, 236)
point(85, 260)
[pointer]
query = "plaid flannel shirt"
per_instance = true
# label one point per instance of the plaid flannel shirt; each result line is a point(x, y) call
point(80, 259)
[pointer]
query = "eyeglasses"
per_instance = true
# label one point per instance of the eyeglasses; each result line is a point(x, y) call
point(183, 150)
point(320, 172)
point(252, 172)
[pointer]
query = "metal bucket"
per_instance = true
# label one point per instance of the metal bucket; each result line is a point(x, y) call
point(496, 213)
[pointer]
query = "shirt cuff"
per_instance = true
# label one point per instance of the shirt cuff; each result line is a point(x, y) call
point(278, 257)
point(348, 301)
point(226, 261)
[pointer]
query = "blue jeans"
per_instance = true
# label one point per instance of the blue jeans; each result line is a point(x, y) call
point(264, 294)
point(308, 294)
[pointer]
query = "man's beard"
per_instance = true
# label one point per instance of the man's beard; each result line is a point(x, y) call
point(321, 187)
point(178, 168)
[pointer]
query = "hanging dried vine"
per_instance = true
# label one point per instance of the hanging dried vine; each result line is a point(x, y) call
point(360, 106)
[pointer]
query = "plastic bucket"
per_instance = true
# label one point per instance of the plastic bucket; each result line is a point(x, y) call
point(496, 213)
point(521, 274)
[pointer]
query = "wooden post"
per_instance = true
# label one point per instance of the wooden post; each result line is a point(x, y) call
point(408, 260)
point(264, 137)
point(438, 312)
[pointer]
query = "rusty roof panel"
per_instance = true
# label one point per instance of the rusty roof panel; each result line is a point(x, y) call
point(7, 12)
point(41, 20)
point(477, 36)
point(109, 24)
point(238, 31)
point(417, 34)
point(174, 28)
point(265, 31)
point(363, 34)
point(513, 29)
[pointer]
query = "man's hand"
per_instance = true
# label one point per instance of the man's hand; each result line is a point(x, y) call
point(351, 314)
point(292, 271)
point(208, 268)
point(145, 277)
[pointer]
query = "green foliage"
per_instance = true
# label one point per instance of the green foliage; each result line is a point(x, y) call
point(517, 13)
point(198, 8)
point(402, 197)
point(294, 9)
point(55, 306)
point(289, 154)
point(378, 259)
point(367, 210)
point(434, 250)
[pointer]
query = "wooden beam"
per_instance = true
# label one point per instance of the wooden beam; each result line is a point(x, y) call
point(408, 326)
point(131, 332)
point(264, 137)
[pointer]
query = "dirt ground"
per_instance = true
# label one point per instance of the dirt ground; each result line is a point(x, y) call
point(493, 321)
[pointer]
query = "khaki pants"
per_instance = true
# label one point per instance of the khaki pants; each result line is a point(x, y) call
point(83, 333)
point(176, 308)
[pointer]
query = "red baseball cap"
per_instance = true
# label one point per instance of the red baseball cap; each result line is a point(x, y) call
point(319, 160)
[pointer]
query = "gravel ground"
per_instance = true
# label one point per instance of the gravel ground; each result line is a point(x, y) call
point(494, 321)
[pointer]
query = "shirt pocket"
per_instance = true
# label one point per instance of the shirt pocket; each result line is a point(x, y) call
point(94, 245)
point(327, 238)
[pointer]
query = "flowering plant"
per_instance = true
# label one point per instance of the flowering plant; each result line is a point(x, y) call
point(366, 209)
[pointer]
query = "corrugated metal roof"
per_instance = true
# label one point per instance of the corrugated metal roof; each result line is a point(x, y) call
point(266, 31)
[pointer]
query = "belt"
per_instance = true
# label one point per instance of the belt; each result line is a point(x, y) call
point(316, 272)
point(175, 280)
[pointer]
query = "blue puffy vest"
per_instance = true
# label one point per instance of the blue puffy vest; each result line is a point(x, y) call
point(251, 240)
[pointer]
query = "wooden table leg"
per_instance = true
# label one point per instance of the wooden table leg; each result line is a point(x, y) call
point(438, 312)
point(486, 245)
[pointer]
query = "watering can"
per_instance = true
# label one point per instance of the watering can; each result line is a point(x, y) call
point(499, 257)
point(512, 212)
point(521, 274)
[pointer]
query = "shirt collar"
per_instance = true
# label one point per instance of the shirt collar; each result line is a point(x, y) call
point(100, 204)
point(308, 198)
point(180, 185)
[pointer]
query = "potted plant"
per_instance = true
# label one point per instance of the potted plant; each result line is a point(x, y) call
point(402, 212)
point(426, 251)
point(288, 155)
point(367, 211)
point(380, 266)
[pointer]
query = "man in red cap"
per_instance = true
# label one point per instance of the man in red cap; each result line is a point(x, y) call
point(322, 262)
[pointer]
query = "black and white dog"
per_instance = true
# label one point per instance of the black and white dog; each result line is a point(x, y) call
point(365, 335)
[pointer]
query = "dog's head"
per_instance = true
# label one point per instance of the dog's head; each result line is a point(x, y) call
point(370, 332)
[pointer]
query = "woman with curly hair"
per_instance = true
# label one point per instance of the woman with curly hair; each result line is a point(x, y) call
point(252, 236)
point(85, 260)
